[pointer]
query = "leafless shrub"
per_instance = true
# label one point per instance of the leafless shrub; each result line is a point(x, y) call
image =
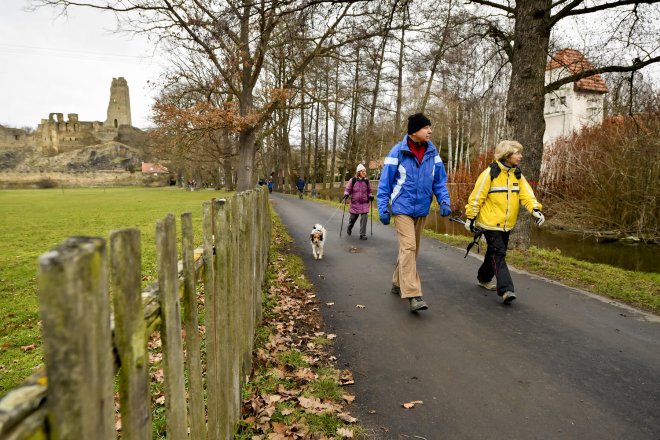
point(606, 177)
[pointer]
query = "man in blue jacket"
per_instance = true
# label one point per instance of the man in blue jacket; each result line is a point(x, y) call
point(412, 173)
point(300, 184)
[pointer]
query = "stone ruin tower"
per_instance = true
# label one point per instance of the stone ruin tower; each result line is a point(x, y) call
point(119, 107)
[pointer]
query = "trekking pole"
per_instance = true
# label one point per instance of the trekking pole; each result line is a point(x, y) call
point(478, 232)
point(342, 219)
point(371, 214)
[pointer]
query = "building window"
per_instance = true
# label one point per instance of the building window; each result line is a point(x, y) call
point(562, 100)
point(552, 102)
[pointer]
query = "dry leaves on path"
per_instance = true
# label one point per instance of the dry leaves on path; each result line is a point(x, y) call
point(412, 404)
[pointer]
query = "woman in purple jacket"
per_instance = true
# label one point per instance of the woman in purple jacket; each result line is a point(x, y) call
point(359, 190)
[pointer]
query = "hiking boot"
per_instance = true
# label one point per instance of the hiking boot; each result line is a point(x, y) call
point(417, 303)
point(488, 285)
point(507, 297)
point(363, 237)
point(396, 290)
point(349, 231)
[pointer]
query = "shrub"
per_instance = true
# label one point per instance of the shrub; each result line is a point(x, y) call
point(606, 177)
point(45, 183)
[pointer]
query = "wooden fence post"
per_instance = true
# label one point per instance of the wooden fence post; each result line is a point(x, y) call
point(233, 294)
point(212, 345)
point(175, 397)
point(130, 334)
point(75, 311)
point(191, 325)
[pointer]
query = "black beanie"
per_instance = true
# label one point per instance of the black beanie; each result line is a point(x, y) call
point(416, 122)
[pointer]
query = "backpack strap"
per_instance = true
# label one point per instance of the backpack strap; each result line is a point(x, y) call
point(495, 171)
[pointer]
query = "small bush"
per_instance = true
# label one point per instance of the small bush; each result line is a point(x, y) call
point(45, 183)
point(606, 177)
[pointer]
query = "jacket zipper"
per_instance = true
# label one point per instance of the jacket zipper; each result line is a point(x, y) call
point(508, 190)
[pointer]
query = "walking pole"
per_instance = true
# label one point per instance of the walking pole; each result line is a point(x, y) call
point(342, 219)
point(371, 208)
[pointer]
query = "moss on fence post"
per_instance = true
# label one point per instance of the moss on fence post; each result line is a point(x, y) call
point(72, 284)
point(175, 394)
point(130, 333)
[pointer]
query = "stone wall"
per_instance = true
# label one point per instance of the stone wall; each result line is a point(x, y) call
point(14, 138)
point(11, 180)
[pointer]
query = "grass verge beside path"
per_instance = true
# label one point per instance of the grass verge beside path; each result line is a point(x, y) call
point(294, 391)
point(33, 221)
point(638, 289)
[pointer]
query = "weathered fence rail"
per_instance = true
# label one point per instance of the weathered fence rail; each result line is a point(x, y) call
point(97, 323)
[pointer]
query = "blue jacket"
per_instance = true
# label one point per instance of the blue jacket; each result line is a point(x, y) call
point(409, 186)
point(300, 184)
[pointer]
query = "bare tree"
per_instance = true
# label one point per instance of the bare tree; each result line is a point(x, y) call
point(524, 35)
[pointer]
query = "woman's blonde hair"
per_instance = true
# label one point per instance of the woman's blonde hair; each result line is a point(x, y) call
point(506, 148)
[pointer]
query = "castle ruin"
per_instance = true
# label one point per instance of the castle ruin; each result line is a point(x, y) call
point(55, 135)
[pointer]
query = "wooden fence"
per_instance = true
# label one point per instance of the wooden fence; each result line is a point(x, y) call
point(97, 322)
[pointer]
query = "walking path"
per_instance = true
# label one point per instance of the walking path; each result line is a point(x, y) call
point(557, 364)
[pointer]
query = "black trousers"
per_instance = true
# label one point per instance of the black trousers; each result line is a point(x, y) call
point(363, 223)
point(494, 264)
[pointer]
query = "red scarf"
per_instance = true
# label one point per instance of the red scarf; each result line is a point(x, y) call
point(417, 149)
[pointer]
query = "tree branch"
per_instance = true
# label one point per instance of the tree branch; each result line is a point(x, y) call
point(507, 9)
point(570, 8)
point(591, 72)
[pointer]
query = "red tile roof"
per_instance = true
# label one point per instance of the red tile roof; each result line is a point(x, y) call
point(573, 61)
point(153, 168)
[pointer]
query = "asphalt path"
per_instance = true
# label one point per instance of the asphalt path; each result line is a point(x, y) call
point(558, 363)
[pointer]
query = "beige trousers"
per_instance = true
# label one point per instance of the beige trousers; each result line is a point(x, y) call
point(409, 231)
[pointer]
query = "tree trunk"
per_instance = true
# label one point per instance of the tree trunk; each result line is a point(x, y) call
point(335, 129)
point(303, 168)
point(525, 97)
point(399, 84)
point(246, 150)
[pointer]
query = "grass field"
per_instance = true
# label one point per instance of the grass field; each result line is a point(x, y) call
point(33, 221)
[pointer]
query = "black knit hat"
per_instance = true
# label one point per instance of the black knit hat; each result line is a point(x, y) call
point(416, 122)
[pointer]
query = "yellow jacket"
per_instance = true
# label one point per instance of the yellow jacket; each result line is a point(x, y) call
point(495, 201)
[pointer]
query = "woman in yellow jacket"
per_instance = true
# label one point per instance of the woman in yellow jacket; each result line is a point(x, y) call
point(493, 207)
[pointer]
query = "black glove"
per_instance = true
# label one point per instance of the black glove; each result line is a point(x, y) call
point(371, 198)
point(344, 198)
point(469, 224)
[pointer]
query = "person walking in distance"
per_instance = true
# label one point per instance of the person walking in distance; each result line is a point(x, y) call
point(412, 174)
point(493, 206)
point(300, 184)
point(359, 191)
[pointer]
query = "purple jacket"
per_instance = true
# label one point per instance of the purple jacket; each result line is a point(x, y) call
point(359, 193)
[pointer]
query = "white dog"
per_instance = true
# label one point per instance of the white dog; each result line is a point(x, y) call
point(317, 238)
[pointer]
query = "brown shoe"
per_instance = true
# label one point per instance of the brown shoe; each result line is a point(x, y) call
point(417, 303)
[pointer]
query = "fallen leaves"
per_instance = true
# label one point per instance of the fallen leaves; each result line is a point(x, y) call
point(360, 306)
point(282, 398)
point(30, 347)
point(412, 404)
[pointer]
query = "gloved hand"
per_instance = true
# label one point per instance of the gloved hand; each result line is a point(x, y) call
point(469, 224)
point(384, 217)
point(540, 218)
point(445, 210)
point(343, 199)
point(371, 198)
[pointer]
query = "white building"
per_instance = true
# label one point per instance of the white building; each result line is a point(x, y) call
point(574, 105)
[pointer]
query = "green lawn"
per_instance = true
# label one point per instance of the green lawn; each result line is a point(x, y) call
point(33, 221)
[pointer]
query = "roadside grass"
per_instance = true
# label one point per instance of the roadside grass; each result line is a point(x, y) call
point(292, 362)
point(638, 289)
point(34, 221)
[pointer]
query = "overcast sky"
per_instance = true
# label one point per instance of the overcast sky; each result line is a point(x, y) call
point(55, 64)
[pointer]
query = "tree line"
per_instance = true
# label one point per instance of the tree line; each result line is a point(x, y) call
point(310, 88)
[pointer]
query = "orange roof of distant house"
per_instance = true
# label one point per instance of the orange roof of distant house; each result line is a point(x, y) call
point(154, 168)
point(378, 163)
point(573, 61)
